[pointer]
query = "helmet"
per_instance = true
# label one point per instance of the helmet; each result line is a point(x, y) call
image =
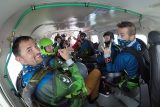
point(43, 43)
point(83, 34)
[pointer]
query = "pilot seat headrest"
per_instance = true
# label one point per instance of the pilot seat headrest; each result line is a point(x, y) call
point(154, 37)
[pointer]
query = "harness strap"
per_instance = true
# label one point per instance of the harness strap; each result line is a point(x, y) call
point(129, 84)
point(19, 85)
point(39, 75)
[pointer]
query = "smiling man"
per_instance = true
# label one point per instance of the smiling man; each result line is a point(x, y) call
point(52, 86)
point(27, 52)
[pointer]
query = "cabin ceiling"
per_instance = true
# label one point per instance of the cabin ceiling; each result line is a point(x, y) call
point(63, 17)
point(44, 22)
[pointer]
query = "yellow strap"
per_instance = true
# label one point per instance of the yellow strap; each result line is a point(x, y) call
point(39, 75)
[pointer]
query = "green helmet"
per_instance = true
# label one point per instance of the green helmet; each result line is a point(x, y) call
point(43, 43)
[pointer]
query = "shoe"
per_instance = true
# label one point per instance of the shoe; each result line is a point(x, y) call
point(105, 89)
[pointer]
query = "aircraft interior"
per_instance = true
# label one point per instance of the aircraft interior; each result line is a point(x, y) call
point(47, 18)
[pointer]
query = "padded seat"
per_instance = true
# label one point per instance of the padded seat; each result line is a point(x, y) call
point(154, 51)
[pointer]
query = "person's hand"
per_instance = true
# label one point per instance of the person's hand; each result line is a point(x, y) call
point(64, 53)
point(107, 51)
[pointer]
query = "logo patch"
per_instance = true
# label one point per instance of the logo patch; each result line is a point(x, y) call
point(65, 79)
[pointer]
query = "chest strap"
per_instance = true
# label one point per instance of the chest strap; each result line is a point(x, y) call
point(39, 75)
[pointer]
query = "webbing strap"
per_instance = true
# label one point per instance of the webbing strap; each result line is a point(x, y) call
point(40, 74)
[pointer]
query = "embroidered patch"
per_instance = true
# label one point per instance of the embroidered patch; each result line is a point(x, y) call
point(65, 79)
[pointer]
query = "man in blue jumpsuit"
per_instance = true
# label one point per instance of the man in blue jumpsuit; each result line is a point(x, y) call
point(51, 86)
point(108, 39)
point(125, 62)
point(86, 47)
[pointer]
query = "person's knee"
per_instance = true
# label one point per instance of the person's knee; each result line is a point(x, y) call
point(93, 80)
point(96, 72)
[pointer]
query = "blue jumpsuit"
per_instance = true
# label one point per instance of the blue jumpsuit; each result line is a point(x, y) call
point(126, 64)
point(86, 49)
point(125, 61)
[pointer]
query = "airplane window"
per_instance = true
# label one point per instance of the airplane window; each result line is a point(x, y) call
point(14, 69)
point(116, 38)
point(74, 35)
point(142, 37)
point(94, 38)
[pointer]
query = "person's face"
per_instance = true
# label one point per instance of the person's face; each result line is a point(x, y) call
point(63, 38)
point(123, 33)
point(59, 40)
point(29, 53)
point(49, 48)
point(82, 37)
point(107, 38)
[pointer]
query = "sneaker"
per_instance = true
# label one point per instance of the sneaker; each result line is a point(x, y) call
point(105, 89)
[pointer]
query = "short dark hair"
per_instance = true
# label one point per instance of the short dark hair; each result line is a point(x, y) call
point(17, 41)
point(63, 35)
point(56, 37)
point(109, 34)
point(131, 27)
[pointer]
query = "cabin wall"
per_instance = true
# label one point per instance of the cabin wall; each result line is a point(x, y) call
point(5, 32)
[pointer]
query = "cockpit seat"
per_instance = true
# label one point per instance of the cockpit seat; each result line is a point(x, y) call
point(154, 51)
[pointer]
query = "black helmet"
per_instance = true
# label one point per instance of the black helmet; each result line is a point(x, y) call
point(109, 34)
point(82, 34)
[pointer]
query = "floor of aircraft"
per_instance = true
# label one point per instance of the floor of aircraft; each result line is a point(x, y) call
point(112, 101)
point(106, 101)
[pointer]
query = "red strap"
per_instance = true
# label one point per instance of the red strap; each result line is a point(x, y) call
point(109, 59)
